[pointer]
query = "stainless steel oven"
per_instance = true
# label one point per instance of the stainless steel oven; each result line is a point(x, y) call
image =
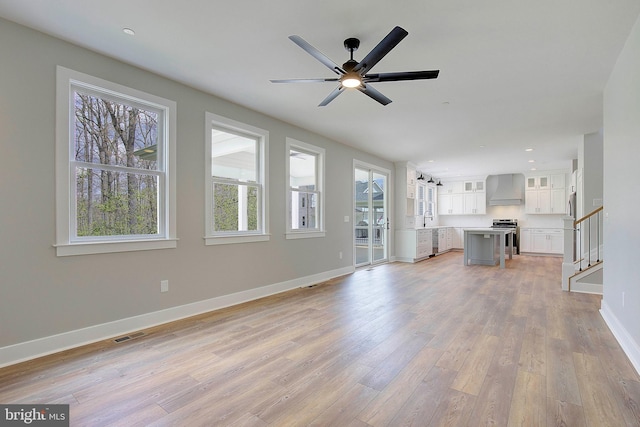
point(509, 223)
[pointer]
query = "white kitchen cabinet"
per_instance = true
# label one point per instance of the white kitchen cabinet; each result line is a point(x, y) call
point(424, 247)
point(474, 186)
point(475, 203)
point(405, 201)
point(537, 182)
point(462, 198)
point(442, 240)
point(525, 240)
point(557, 180)
point(414, 245)
point(537, 201)
point(559, 201)
point(450, 204)
point(454, 187)
point(458, 238)
point(546, 194)
point(411, 183)
point(542, 240)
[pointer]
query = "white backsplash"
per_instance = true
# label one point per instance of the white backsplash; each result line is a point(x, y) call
point(501, 212)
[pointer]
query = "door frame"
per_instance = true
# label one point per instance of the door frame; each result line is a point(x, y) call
point(388, 198)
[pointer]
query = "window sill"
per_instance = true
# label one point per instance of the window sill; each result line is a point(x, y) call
point(228, 240)
point(304, 234)
point(88, 248)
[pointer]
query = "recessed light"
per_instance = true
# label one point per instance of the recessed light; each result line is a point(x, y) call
point(533, 169)
point(528, 149)
point(129, 31)
point(482, 146)
point(532, 161)
point(430, 161)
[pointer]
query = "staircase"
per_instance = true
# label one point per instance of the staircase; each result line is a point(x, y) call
point(583, 254)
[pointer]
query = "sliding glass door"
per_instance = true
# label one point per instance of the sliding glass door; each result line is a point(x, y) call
point(371, 221)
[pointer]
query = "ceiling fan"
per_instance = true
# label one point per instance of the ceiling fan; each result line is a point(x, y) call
point(353, 74)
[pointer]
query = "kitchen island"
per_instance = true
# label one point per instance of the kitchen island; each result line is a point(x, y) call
point(486, 246)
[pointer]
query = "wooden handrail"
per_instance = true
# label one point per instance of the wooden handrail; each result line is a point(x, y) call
point(578, 221)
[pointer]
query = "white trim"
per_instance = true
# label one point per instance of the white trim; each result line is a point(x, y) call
point(319, 154)
point(389, 202)
point(629, 346)
point(111, 247)
point(66, 79)
point(225, 240)
point(304, 234)
point(24, 351)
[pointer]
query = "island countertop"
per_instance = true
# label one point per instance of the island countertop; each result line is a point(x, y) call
point(477, 252)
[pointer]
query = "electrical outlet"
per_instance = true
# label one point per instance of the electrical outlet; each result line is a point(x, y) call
point(623, 299)
point(164, 286)
point(340, 254)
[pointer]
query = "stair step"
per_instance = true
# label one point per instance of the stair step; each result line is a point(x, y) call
point(588, 280)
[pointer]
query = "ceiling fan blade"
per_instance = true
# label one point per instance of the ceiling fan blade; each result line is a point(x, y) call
point(317, 54)
point(406, 75)
point(304, 80)
point(333, 95)
point(389, 42)
point(372, 93)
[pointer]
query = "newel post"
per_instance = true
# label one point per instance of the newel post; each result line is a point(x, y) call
point(568, 267)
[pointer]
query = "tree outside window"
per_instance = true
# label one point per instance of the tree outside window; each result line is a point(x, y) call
point(116, 150)
point(115, 156)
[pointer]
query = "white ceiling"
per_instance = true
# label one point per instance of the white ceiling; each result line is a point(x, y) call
point(513, 74)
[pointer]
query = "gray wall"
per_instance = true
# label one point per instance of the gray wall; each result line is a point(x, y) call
point(43, 295)
point(622, 198)
point(593, 171)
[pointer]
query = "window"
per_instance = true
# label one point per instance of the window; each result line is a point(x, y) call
point(305, 169)
point(425, 201)
point(236, 192)
point(115, 161)
point(420, 200)
point(430, 204)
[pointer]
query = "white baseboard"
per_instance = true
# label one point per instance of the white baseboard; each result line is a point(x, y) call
point(28, 350)
point(629, 346)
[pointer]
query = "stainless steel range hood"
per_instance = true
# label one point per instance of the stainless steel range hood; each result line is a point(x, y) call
point(508, 192)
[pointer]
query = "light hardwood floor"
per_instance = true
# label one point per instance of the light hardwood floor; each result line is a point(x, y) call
point(432, 343)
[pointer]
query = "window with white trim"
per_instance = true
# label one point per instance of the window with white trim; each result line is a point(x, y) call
point(115, 158)
point(236, 191)
point(305, 203)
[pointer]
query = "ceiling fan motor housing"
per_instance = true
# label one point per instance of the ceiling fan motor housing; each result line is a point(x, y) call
point(351, 44)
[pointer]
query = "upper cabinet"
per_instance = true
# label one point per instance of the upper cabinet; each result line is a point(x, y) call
point(411, 182)
point(474, 186)
point(405, 200)
point(537, 182)
point(462, 198)
point(546, 194)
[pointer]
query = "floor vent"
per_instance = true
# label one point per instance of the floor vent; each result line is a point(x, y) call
point(129, 337)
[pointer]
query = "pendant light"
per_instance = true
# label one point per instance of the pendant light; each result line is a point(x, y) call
point(439, 184)
point(431, 181)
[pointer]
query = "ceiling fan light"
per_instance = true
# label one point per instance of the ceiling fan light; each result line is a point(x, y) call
point(351, 80)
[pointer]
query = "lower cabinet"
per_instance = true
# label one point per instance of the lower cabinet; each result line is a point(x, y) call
point(424, 245)
point(416, 245)
point(542, 240)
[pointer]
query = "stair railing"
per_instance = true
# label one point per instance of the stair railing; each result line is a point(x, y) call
point(588, 230)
